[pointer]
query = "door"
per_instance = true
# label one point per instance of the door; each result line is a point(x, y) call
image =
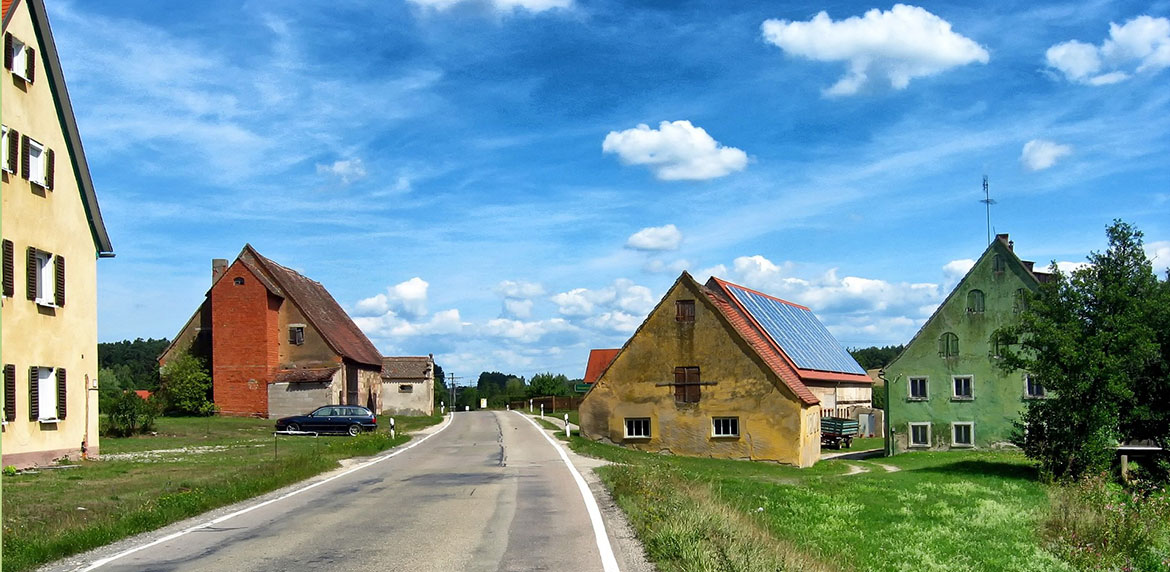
point(351, 384)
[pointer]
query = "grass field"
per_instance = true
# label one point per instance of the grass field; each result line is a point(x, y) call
point(51, 514)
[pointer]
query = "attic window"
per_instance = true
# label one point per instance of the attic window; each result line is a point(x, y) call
point(684, 310)
point(1020, 301)
point(687, 386)
point(239, 281)
point(998, 264)
point(406, 388)
point(19, 58)
point(975, 302)
point(948, 345)
point(296, 332)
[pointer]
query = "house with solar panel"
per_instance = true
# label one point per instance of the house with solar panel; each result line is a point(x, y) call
point(720, 370)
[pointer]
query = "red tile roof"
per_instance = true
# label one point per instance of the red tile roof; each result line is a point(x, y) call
point(599, 360)
point(7, 4)
point(406, 367)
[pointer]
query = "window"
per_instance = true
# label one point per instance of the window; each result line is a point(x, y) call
point(948, 345)
point(1033, 389)
point(406, 388)
point(917, 387)
point(46, 394)
point(998, 264)
point(975, 301)
point(963, 387)
point(725, 427)
point(687, 386)
point(9, 392)
point(238, 281)
point(963, 434)
point(684, 310)
point(296, 334)
point(46, 278)
point(35, 154)
point(1020, 301)
point(920, 434)
point(637, 427)
point(19, 58)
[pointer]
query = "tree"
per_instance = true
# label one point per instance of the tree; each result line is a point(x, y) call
point(134, 362)
point(1096, 338)
point(546, 384)
point(186, 386)
point(874, 357)
point(442, 395)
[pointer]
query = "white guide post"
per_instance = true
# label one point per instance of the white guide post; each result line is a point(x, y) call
point(568, 432)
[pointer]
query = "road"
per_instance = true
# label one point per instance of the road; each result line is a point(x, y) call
point(487, 492)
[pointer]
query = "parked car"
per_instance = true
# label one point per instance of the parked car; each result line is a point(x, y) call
point(351, 419)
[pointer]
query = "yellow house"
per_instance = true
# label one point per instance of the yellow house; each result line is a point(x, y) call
point(719, 370)
point(53, 235)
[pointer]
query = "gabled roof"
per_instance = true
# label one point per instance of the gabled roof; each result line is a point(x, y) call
point(317, 305)
point(406, 367)
point(598, 361)
point(56, 78)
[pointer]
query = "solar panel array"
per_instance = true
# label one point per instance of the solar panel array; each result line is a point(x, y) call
point(798, 332)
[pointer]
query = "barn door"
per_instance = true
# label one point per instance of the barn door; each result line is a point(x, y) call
point(351, 384)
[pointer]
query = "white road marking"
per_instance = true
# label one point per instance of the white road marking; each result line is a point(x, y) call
point(608, 560)
point(216, 521)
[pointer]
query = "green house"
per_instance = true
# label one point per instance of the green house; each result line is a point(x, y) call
point(946, 389)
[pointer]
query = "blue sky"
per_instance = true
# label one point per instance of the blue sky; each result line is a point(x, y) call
point(508, 183)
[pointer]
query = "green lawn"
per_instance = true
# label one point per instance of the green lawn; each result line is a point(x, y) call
point(54, 513)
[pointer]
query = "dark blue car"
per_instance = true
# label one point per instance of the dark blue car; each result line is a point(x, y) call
point(351, 419)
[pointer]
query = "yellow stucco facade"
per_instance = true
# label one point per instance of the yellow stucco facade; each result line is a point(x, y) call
point(46, 228)
point(771, 422)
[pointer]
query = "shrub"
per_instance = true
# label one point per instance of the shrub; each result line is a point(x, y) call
point(130, 415)
point(186, 386)
point(1096, 524)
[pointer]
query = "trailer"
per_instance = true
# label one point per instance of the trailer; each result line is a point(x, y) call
point(836, 431)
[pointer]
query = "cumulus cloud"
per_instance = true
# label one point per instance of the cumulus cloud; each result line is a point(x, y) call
point(522, 331)
point(675, 151)
point(655, 238)
point(623, 295)
point(346, 170)
point(658, 266)
point(1040, 154)
point(954, 271)
point(518, 297)
point(901, 44)
point(1140, 45)
point(534, 6)
point(392, 325)
point(407, 298)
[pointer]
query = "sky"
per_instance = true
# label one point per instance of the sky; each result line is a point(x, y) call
point(509, 183)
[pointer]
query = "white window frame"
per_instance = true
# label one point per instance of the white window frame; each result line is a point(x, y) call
point(47, 395)
point(971, 385)
point(36, 162)
point(910, 435)
point(19, 58)
point(732, 424)
point(4, 151)
point(296, 334)
point(46, 280)
point(627, 425)
point(1028, 394)
point(925, 388)
point(955, 425)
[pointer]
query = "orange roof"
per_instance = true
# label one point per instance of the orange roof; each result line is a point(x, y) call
point(143, 393)
point(7, 5)
point(599, 360)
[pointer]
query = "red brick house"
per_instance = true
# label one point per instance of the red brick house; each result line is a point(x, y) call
point(277, 342)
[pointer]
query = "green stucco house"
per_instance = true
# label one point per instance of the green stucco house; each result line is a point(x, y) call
point(946, 389)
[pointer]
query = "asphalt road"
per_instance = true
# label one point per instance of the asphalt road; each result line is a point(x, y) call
point(487, 492)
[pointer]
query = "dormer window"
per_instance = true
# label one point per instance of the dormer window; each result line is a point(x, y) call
point(19, 58)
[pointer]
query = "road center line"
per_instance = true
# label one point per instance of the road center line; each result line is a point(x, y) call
point(608, 560)
point(213, 522)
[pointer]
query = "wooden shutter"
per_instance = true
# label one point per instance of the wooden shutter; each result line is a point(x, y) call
point(10, 392)
point(34, 404)
point(8, 52)
point(59, 276)
point(49, 169)
point(30, 62)
point(24, 157)
point(13, 150)
point(62, 388)
point(31, 273)
point(9, 269)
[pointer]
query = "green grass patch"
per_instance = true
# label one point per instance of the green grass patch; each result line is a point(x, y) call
point(56, 513)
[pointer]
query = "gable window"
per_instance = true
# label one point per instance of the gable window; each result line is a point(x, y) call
point(948, 345)
point(406, 388)
point(917, 388)
point(998, 264)
point(37, 160)
point(963, 434)
point(19, 58)
point(1020, 300)
point(725, 427)
point(964, 387)
point(238, 281)
point(296, 334)
point(684, 310)
point(919, 434)
point(46, 394)
point(975, 301)
point(46, 278)
point(637, 427)
point(687, 386)
point(1033, 389)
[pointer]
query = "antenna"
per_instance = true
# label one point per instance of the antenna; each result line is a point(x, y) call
point(987, 200)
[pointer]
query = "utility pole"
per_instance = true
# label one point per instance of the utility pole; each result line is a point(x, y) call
point(987, 200)
point(452, 379)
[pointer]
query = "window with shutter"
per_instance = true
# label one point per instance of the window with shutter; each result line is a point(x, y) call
point(11, 150)
point(49, 160)
point(24, 166)
point(19, 58)
point(948, 345)
point(684, 310)
point(4, 140)
point(37, 163)
point(30, 61)
point(9, 392)
point(59, 280)
point(47, 393)
point(44, 277)
point(8, 45)
point(34, 379)
point(62, 388)
point(30, 273)
point(687, 386)
point(9, 269)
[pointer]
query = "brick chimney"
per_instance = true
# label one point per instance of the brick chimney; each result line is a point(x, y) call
point(218, 267)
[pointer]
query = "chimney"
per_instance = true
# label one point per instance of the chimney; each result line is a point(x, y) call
point(1012, 245)
point(218, 267)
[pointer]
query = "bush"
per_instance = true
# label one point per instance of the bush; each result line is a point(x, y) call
point(186, 386)
point(130, 415)
point(1096, 524)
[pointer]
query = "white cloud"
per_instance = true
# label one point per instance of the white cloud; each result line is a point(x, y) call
point(346, 170)
point(522, 331)
point(954, 271)
point(519, 289)
point(655, 238)
point(675, 151)
point(624, 295)
point(392, 325)
point(534, 6)
point(1040, 154)
point(1159, 254)
point(1140, 45)
point(518, 308)
point(657, 266)
point(408, 298)
point(902, 43)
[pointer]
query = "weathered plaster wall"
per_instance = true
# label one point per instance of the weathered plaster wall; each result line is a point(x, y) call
point(773, 423)
point(419, 401)
point(285, 399)
point(315, 352)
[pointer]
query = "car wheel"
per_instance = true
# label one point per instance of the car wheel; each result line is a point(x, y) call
point(293, 427)
point(354, 430)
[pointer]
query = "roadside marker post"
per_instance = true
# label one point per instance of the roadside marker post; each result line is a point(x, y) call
point(530, 406)
point(568, 432)
point(391, 427)
point(542, 411)
point(442, 408)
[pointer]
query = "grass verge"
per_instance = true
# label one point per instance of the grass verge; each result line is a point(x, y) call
point(52, 514)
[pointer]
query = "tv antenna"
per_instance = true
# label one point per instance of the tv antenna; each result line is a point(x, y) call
point(987, 200)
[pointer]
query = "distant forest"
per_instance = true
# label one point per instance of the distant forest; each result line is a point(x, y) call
point(132, 364)
point(874, 357)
